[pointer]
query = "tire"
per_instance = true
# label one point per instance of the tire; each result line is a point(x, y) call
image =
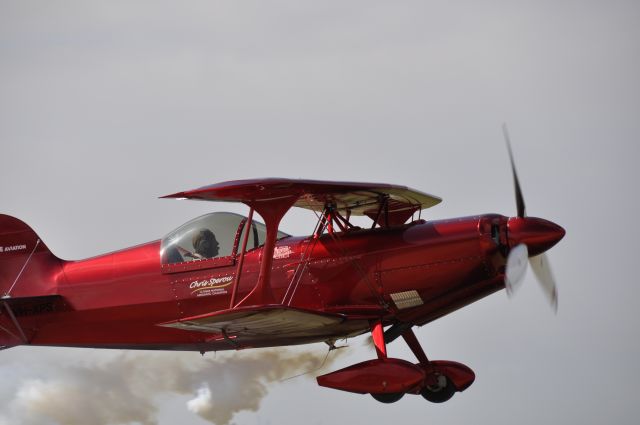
point(387, 397)
point(440, 394)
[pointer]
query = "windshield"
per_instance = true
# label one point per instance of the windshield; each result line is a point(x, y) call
point(212, 235)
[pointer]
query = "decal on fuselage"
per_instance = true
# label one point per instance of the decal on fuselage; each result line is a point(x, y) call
point(281, 252)
point(212, 286)
point(13, 248)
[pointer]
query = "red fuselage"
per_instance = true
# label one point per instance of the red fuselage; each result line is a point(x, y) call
point(118, 299)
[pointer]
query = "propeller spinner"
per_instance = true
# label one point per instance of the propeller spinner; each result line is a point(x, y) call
point(529, 238)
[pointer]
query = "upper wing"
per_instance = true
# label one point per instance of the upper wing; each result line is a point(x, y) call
point(347, 197)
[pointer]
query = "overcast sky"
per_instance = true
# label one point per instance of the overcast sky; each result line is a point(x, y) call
point(104, 106)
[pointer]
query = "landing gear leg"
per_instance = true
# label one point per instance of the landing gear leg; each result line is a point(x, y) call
point(416, 348)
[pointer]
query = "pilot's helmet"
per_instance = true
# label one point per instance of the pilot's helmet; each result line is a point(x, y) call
point(205, 243)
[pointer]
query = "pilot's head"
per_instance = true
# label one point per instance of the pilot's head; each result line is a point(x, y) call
point(205, 243)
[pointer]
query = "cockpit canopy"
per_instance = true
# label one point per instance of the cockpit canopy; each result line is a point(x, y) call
point(211, 237)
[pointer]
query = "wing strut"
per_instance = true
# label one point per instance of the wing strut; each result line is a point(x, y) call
point(12, 316)
point(272, 211)
point(304, 261)
point(247, 228)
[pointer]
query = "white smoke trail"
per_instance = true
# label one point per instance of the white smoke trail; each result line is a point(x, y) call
point(123, 389)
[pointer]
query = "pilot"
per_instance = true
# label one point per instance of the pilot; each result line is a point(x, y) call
point(205, 244)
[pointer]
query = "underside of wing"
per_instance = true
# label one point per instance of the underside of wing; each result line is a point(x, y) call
point(267, 321)
point(348, 197)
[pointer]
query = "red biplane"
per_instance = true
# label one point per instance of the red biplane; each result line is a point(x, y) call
point(228, 282)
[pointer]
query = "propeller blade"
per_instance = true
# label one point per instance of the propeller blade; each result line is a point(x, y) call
point(542, 270)
point(519, 198)
point(516, 268)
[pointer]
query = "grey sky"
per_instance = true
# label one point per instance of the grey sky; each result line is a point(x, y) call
point(106, 105)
